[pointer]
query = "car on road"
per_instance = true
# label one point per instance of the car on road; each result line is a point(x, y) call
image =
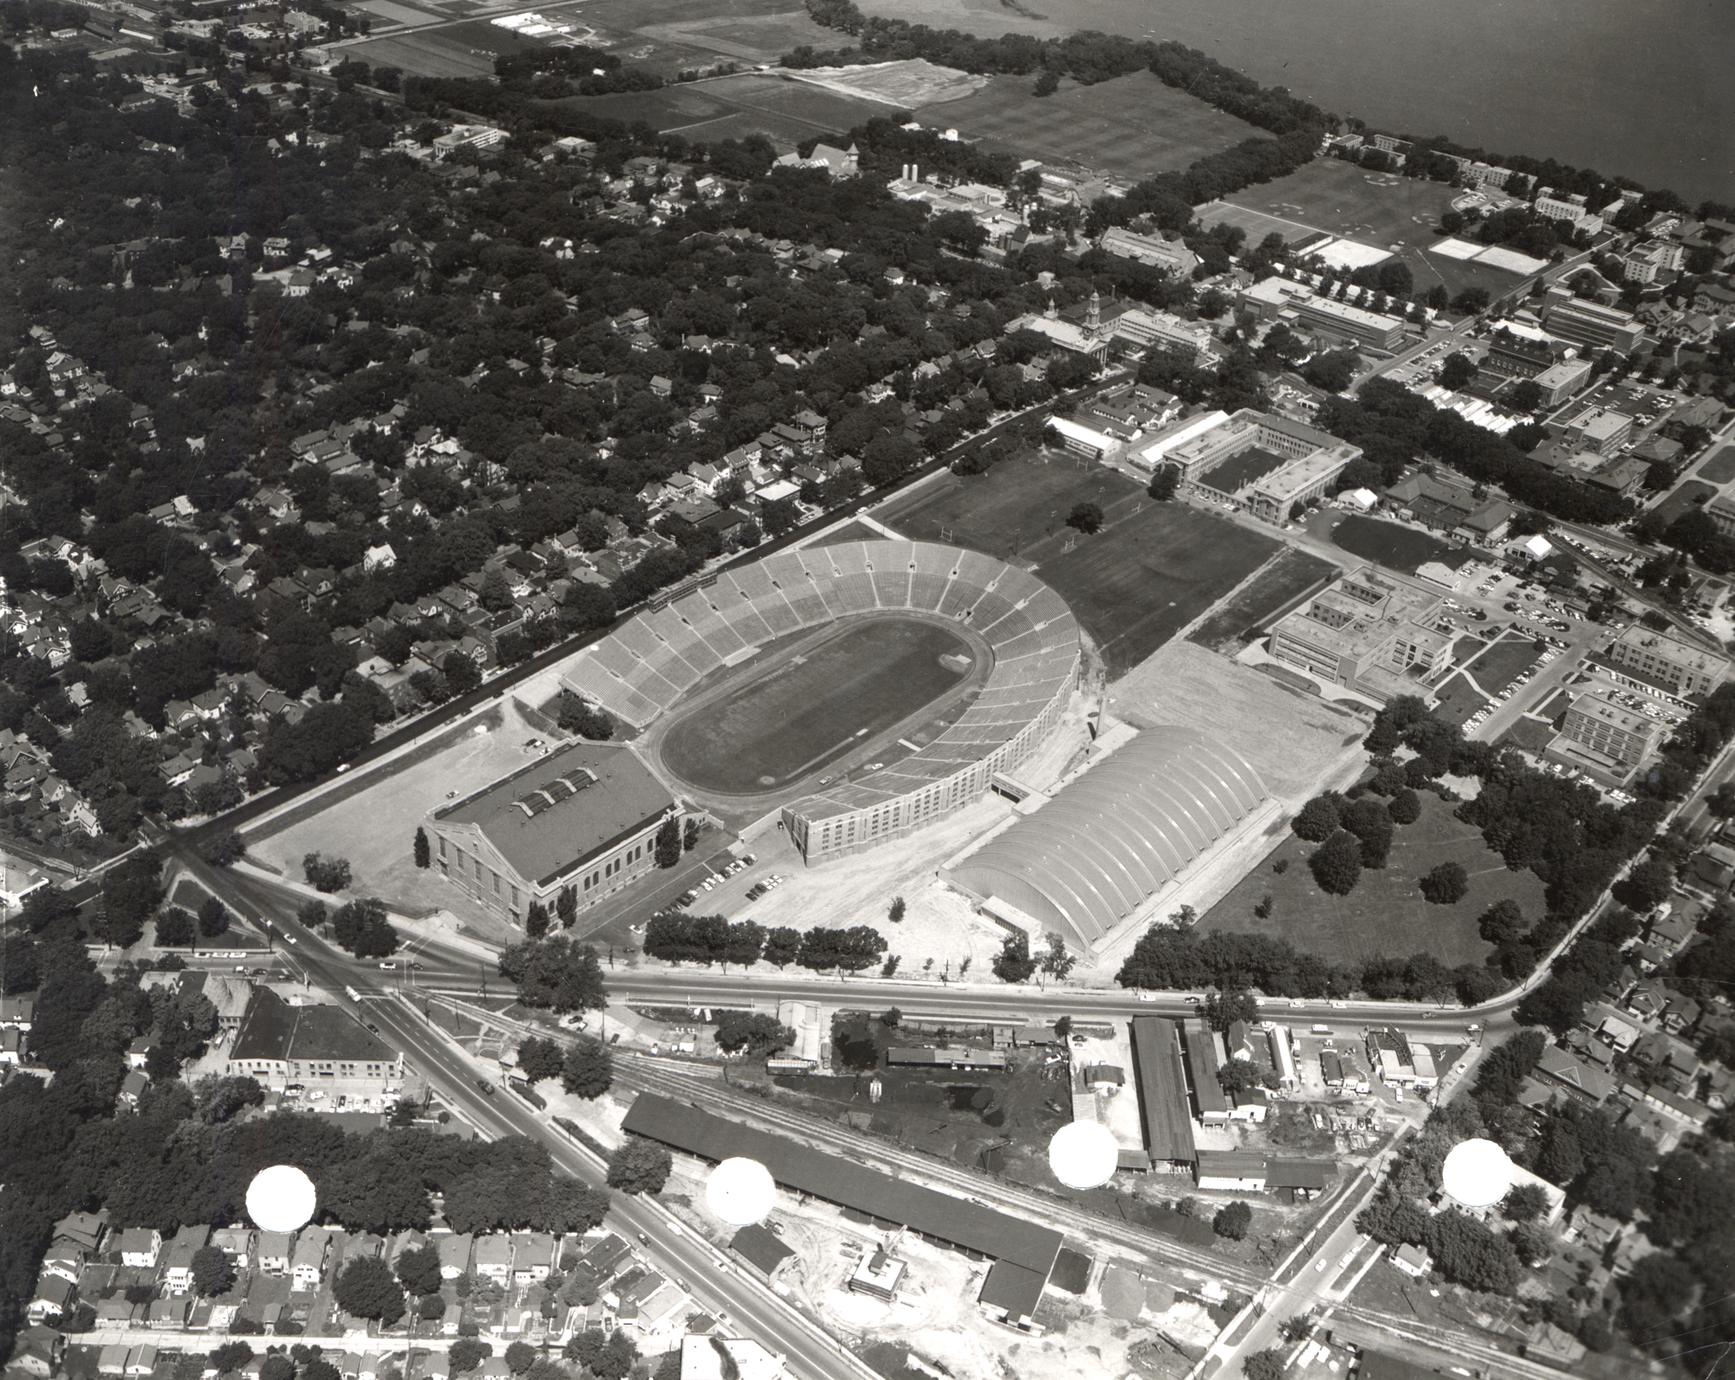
point(371, 1026)
point(486, 1087)
point(1147, 996)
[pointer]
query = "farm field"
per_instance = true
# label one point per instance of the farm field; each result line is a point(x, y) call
point(1381, 209)
point(805, 710)
point(1385, 915)
point(1280, 584)
point(1386, 543)
point(1133, 125)
point(1151, 570)
point(786, 111)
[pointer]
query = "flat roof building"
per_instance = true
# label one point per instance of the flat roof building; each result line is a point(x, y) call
point(583, 816)
point(1023, 1252)
point(1162, 1086)
point(1600, 430)
point(1170, 255)
point(1274, 298)
point(1669, 662)
point(1598, 722)
point(316, 1047)
point(1372, 631)
point(1589, 323)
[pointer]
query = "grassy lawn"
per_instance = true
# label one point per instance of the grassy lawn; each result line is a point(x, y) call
point(1503, 662)
point(801, 711)
point(1386, 543)
point(1720, 468)
point(1458, 700)
point(1385, 914)
point(1686, 498)
point(1150, 571)
point(1134, 125)
point(1528, 735)
point(1275, 589)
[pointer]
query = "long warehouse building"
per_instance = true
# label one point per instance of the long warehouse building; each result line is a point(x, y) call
point(1023, 1252)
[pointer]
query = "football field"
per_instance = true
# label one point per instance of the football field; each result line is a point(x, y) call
point(799, 713)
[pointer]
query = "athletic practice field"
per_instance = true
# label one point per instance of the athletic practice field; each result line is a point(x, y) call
point(800, 712)
point(785, 111)
point(1133, 125)
point(1151, 570)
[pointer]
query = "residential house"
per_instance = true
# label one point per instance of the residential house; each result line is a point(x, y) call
point(491, 1258)
point(307, 1265)
point(140, 1247)
point(454, 1249)
point(275, 1249)
point(178, 1259)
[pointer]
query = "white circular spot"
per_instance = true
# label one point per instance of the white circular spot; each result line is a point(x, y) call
point(281, 1198)
point(1083, 1154)
point(740, 1191)
point(1476, 1174)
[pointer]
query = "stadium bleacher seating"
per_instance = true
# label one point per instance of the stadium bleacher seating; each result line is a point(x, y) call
point(646, 666)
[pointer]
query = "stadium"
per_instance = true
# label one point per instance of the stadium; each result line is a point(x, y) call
point(917, 624)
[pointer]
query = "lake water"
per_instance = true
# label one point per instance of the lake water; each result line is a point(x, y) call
point(1639, 88)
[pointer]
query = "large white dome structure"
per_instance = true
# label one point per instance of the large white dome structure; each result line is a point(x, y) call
point(741, 1191)
point(1083, 1154)
point(281, 1198)
point(1477, 1174)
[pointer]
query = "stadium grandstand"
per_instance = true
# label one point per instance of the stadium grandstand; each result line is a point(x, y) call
point(1113, 838)
point(648, 664)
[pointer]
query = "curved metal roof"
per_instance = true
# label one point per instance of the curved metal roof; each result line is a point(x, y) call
point(1125, 829)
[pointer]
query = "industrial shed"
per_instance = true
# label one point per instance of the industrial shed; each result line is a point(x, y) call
point(1115, 837)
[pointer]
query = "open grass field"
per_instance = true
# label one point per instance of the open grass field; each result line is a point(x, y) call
point(1273, 591)
point(1720, 468)
point(1458, 699)
point(786, 111)
point(1390, 212)
point(1150, 571)
point(1385, 914)
point(1503, 661)
point(1386, 543)
point(1134, 125)
point(806, 710)
point(1689, 496)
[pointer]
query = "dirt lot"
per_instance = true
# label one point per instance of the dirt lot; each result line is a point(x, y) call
point(1284, 582)
point(374, 826)
point(1385, 914)
point(1134, 125)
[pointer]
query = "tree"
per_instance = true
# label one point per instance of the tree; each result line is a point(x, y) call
point(231, 1356)
point(213, 1271)
point(891, 1018)
point(1013, 963)
point(639, 1166)
point(1232, 1220)
point(589, 1068)
point(419, 1270)
point(174, 928)
point(537, 1059)
point(1525, 1203)
point(366, 1288)
point(423, 853)
point(668, 845)
point(752, 1032)
point(1336, 864)
point(1264, 1365)
point(536, 920)
point(466, 1353)
point(782, 945)
point(361, 927)
point(1085, 517)
point(520, 1356)
point(1445, 884)
point(566, 906)
point(610, 1359)
point(213, 917)
point(1056, 962)
point(1165, 479)
point(689, 833)
point(1457, 370)
point(223, 849)
point(326, 874)
point(554, 973)
point(1047, 83)
point(1319, 818)
point(1405, 807)
point(1223, 1009)
point(1502, 923)
point(896, 913)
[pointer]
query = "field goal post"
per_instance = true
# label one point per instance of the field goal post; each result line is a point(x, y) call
point(946, 535)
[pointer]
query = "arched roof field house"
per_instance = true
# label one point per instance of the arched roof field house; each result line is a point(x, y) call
point(1116, 836)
